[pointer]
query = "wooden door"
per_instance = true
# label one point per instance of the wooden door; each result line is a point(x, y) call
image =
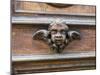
point(30, 56)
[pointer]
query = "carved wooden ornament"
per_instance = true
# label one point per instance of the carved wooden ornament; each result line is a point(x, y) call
point(58, 35)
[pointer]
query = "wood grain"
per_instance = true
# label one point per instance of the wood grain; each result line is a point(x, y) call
point(28, 67)
point(43, 8)
point(22, 42)
point(26, 52)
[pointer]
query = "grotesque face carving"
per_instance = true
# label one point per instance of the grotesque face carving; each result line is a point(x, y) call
point(57, 36)
point(58, 33)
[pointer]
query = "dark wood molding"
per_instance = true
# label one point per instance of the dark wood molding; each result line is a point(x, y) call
point(68, 62)
point(78, 55)
point(53, 63)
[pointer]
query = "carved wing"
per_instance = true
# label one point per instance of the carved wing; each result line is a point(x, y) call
point(74, 35)
point(40, 35)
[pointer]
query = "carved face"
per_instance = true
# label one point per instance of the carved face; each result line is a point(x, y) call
point(58, 36)
point(58, 33)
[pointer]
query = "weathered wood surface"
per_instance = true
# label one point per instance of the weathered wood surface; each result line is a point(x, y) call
point(78, 55)
point(33, 56)
point(47, 19)
point(22, 42)
point(28, 67)
point(43, 8)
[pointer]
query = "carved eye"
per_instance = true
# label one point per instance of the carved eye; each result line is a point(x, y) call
point(62, 32)
point(53, 31)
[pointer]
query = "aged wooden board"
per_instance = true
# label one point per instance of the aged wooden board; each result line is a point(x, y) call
point(78, 55)
point(22, 42)
point(47, 19)
point(28, 67)
point(44, 8)
point(34, 56)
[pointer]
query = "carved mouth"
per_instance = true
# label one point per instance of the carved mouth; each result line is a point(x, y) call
point(58, 41)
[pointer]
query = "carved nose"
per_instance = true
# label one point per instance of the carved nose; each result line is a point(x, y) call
point(58, 36)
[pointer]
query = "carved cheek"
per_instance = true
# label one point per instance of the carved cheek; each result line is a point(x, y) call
point(64, 36)
point(53, 37)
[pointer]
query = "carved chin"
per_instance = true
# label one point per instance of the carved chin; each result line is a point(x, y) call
point(58, 42)
point(58, 48)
